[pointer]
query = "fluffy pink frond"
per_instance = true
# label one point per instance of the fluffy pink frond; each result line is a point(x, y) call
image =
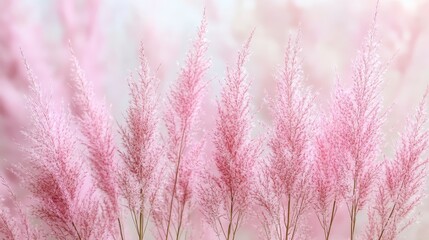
point(328, 176)
point(14, 222)
point(318, 165)
point(402, 187)
point(289, 163)
point(358, 118)
point(56, 178)
point(142, 152)
point(185, 96)
point(227, 195)
point(181, 122)
point(94, 123)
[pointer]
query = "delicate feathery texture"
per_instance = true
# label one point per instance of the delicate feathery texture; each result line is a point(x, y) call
point(94, 123)
point(20, 31)
point(181, 123)
point(313, 165)
point(139, 177)
point(358, 118)
point(226, 198)
point(64, 198)
point(14, 36)
point(14, 221)
point(328, 176)
point(285, 191)
point(402, 185)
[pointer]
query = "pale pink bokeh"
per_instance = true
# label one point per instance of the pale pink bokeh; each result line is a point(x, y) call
point(106, 36)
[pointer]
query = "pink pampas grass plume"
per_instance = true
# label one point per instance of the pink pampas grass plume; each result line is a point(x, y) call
point(14, 220)
point(358, 118)
point(182, 148)
point(94, 123)
point(226, 197)
point(328, 176)
point(284, 194)
point(56, 179)
point(141, 155)
point(402, 185)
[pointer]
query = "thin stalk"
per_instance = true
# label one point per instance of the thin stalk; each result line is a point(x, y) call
point(120, 229)
point(231, 212)
point(78, 235)
point(388, 219)
point(147, 221)
point(288, 218)
point(353, 212)
point(284, 223)
point(352, 221)
point(236, 226)
point(134, 217)
point(332, 219)
point(323, 225)
point(221, 227)
point(298, 214)
point(278, 226)
point(180, 223)
point(141, 225)
point(391, 212)
point(176, 176)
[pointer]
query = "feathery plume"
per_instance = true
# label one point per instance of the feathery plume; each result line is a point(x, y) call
point(284, 193)
point(65, 202)
point(14, 222)
point(181, 122)
point(358, 118)
point(226, 197)
point(142, 153)
point(94, 123)
point(328, 176)
point(401, 188)
point(311, 164)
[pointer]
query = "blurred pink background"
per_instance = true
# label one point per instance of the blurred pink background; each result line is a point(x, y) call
point(105, 35)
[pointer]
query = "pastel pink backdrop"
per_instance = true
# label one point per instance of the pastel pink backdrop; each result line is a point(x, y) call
point(105, 36)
